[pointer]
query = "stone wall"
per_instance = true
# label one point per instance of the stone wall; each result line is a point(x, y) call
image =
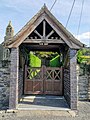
point(4, 87)
point(89, 87)
point(83, 87)
point(83, 84)
point(4, 81)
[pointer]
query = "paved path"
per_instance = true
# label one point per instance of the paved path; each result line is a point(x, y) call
point(83, 114)
point(43, 103)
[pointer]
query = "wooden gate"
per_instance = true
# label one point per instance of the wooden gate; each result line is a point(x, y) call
point(43, 80)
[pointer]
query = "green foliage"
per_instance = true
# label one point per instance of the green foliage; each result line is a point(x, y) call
point(83, 58)
point(83, 55)
point(55, 62)
point(80, 60)
point(48, 55)
point(34, 61)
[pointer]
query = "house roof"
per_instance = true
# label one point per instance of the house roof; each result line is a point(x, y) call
point(44, 13)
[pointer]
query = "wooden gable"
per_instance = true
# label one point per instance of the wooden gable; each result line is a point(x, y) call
point(51, 31)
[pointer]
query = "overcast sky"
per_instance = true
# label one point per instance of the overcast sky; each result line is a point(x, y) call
point(21, 11)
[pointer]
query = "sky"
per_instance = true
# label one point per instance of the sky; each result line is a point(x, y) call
point(21, 11)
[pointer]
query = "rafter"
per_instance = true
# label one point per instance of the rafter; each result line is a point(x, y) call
point(38, 33)
point(50, 34)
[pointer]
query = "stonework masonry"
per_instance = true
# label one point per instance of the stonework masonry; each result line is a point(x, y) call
point(89, 87)
point(67, 85)
point(70, 81)
point(73, 80)
point(4, 87)
point(83, 87)
point(14, 76)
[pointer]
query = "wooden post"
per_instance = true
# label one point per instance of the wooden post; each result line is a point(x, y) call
point(44, 29)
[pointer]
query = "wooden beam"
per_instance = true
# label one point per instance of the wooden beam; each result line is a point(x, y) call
point(66, 59)
point(40, 40)
point(49, 34)
point(38, 33)
point(44, 29)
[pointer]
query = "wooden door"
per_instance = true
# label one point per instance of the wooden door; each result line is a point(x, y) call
point(43, 80)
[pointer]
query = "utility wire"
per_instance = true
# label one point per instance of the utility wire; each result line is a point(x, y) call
point(70, 13)
point(53, 5)
point(80, 17)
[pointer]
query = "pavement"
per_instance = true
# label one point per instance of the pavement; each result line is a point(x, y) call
point(83, 113)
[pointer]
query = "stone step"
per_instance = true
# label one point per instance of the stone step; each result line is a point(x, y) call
point(46, 98)
point(42, 97)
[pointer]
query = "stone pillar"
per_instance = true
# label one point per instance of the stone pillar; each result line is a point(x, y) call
point(13, 99)
point(73, 80)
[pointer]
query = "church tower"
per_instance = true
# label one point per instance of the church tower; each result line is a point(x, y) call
point(9, 34)
point(9, 31)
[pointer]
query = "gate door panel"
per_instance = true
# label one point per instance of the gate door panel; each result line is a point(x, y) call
point(33, 81)
point(43, 80)
point(53, 81)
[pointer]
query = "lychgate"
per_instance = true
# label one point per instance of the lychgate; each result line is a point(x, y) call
point(43, 33)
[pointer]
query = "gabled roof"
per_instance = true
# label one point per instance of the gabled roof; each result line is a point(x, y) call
point(43, 14)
